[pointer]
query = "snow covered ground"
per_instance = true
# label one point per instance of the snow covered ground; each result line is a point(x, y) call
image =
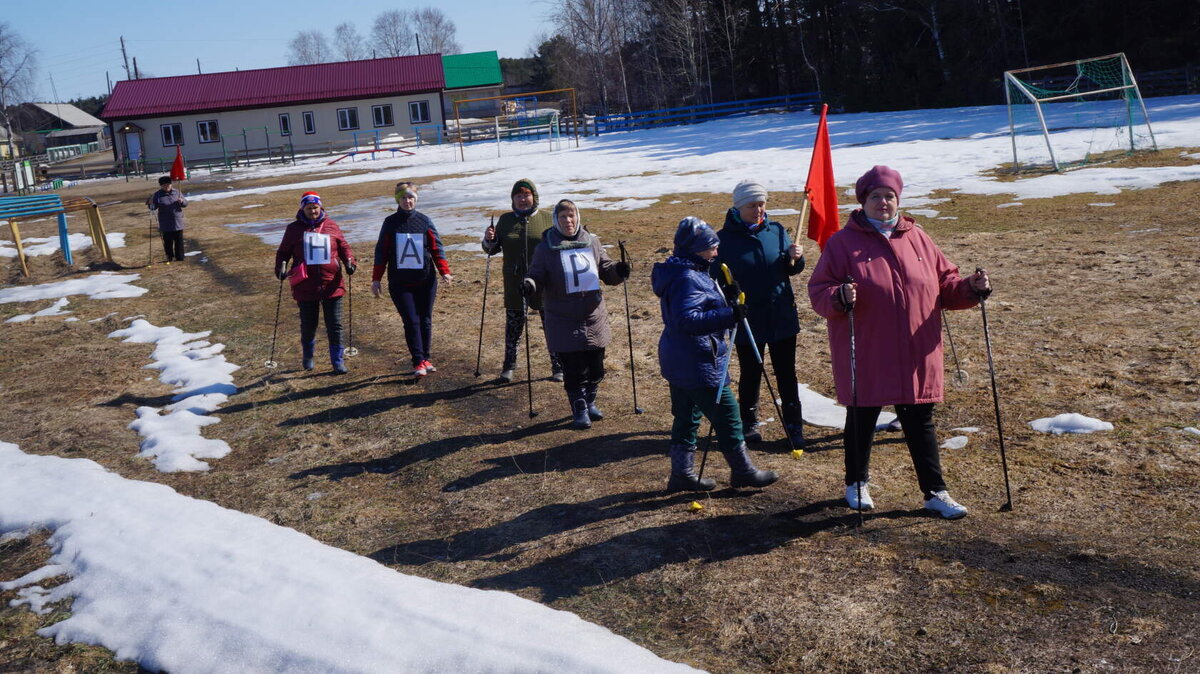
point(47, 245)
point(186, 586)
point(950, 149)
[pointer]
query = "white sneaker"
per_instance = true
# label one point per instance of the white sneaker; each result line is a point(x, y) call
point(942, 504)
point(557, 376)
point(852, 492)
point(507, 375)
point(419, 370)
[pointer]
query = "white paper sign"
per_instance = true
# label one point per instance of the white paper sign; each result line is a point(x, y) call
point(580, 273)
point(410, 251)
point(317, 248)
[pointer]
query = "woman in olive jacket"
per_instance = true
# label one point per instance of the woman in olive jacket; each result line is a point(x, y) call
point(515, 235)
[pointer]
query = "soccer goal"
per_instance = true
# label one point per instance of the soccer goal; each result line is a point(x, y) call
point(516, 123)
point(1076, 112)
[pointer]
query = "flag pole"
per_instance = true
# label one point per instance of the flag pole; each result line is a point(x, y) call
point(802, 223)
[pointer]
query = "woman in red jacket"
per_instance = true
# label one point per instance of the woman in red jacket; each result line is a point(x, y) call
point(314, 244)
point(896, 280)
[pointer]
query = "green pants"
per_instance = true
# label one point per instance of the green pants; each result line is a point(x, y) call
point(687, 406)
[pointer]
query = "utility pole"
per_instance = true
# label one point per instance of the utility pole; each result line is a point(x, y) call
point(109, 80)
point(125, 56)
point(418, 44)
point(198, 71)
point(136, 74)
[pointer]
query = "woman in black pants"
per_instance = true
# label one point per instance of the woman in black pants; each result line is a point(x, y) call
point(411, 251)
point(169, 204)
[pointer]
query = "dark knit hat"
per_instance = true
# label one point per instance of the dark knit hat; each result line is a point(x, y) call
point(165, 180)
point(879, 176)
point(527, 184)
point(694, 236)
point(310, 198)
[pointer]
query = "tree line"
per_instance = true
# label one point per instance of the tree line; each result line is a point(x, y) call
point(623, 55)
point(393, 33)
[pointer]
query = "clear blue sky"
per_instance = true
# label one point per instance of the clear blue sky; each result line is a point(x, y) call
point(78, 40)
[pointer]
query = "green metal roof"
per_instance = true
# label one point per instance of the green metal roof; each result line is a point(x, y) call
point(478, 69)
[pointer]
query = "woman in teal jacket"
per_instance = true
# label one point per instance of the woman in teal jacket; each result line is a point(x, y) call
point(763, 259)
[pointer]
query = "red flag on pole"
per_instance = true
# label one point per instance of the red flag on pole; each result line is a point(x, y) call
point(178, 171)
point(820, 187)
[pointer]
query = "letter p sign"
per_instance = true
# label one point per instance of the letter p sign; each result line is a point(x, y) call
point(579, 270)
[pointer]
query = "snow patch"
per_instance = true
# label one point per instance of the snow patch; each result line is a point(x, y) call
point(101, 286)
point(203, 381)
point(52, 310)
point(1070, 422)
point(821, 411)
point(49, 245)
point(956, 442)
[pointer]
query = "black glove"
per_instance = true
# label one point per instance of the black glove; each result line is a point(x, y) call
point(843, 293)
point(732, 291)
point(739, 312)
point(528, 288)
point(281, 273)
point(351, 267)
point(623, 269)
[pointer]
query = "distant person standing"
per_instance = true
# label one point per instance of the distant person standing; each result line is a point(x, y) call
point(411, 252)
point(315, 246)
point(169, 204)
point(516, 235)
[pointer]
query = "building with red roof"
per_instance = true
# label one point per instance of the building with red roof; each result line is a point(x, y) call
point(327, 106)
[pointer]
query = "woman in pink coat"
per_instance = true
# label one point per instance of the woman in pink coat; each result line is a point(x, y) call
point(896, 280)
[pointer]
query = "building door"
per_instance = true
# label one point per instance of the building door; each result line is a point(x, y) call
point(133, 146)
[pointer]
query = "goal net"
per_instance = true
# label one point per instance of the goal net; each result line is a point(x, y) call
point(541, 121)
point(1075, 113)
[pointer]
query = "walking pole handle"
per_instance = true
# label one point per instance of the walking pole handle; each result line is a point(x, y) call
point(986, 293)
point(842, 296)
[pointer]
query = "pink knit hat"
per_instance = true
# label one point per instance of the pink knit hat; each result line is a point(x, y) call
point(879, 176)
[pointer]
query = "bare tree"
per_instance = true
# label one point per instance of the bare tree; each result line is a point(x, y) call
point(680, 36)
point(392, 35)
point(436, 32)
point(596, 28)
point(18, 61)
point(309, 47)
point(348, 43)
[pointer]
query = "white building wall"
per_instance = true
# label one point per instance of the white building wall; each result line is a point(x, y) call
point(327, 137)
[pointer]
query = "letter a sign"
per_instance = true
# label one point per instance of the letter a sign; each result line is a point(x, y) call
point(579, 270)
point(316, 248)
point(410, 251)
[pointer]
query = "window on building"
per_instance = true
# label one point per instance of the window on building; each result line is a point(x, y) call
point(382, 114)
point(310, 122)
point(285, 125)
point(347, 119)
point(418, 112)
point(208, 132)
point(172, 134)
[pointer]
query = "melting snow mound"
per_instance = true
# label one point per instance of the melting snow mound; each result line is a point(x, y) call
point(1070, 422)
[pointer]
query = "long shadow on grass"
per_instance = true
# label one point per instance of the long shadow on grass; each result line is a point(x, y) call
point(366, 408)
point(428, 451)
point(705, 539)
point(587, 452)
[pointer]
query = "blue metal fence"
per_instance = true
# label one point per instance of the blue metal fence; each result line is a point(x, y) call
point(699, 113)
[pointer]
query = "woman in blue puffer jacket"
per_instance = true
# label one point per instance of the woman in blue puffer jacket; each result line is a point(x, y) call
point(693, 355)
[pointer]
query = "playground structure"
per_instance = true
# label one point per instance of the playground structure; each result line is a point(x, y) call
point(16, 209)
point(233, 156)
point(527, 116)
point(375, 146)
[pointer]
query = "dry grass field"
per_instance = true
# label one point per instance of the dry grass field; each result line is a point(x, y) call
point(1096, 311)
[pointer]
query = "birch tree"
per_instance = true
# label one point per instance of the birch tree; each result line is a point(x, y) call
point(392, 35)
point(18, 62)
point(437, 32)
point(309, 47)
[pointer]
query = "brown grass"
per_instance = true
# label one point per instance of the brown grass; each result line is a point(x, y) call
point(447, 478)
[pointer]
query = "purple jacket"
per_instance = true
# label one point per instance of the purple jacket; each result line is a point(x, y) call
point(903, 283)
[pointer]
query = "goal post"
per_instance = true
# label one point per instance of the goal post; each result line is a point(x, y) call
point(524, 116)
point(1090, 105)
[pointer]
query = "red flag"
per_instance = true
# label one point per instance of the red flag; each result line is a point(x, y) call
point(820, 188)
point(178, 171)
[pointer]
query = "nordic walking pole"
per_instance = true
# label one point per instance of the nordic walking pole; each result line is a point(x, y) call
point(350, 350)
point(487, 273)
point(629, 332)
point(960, 375)
point(853, 395)
point(720, 390)
point(270, 363)
point(987, 340)
point(525, 309)
point(150, 241)
point(758, 357)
